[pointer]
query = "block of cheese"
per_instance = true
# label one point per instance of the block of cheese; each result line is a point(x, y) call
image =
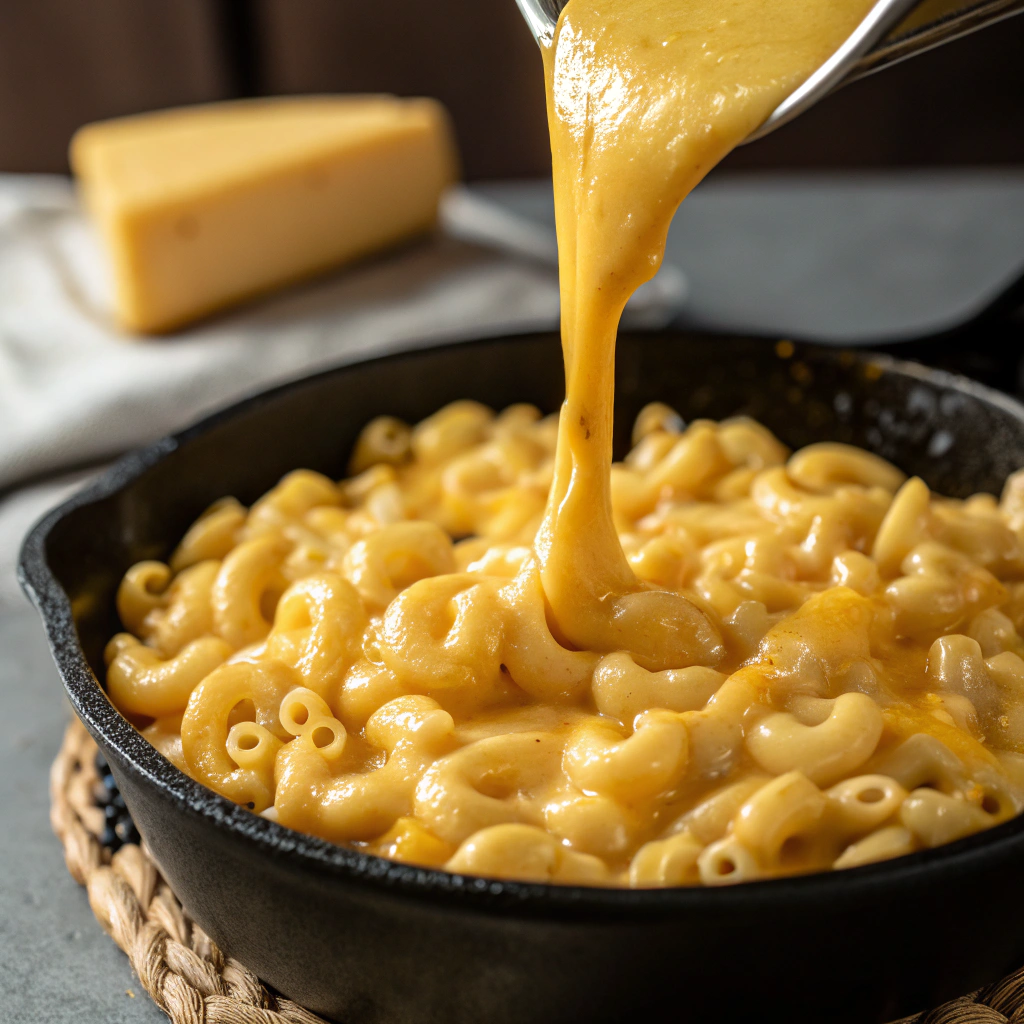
point(201, 207)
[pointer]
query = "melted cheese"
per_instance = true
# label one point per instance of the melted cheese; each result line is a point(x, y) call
point(644, 98)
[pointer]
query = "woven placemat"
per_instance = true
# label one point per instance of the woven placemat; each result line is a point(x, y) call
point(181, 967)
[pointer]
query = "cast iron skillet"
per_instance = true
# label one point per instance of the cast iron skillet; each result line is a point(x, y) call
point(363, 940)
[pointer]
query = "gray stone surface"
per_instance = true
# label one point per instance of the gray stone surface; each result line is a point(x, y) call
point(57, 966)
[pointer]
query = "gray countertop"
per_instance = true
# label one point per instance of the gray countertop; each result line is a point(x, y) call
point(57, 966)
point(841, 258)
point(832, 257)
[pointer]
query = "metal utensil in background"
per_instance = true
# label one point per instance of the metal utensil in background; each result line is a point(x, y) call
point(892, 31)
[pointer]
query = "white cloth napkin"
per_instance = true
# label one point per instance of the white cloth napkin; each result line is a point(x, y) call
point(74, 390)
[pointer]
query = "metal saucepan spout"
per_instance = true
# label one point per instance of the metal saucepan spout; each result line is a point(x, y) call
point(892, 31)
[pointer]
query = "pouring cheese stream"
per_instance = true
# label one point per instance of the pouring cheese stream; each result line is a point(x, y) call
point(644, 98)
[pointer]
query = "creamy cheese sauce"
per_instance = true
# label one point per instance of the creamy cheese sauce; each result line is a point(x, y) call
point(644, 98)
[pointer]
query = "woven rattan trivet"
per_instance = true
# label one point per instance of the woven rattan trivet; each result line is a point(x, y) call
point(189, 978)
point(192, 981)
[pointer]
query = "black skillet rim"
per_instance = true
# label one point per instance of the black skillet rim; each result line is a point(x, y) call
point(92, 706)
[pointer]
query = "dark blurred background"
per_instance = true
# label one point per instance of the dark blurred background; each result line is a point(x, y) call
point(65, 62)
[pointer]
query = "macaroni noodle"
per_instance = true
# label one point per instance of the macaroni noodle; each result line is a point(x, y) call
point(400, 685)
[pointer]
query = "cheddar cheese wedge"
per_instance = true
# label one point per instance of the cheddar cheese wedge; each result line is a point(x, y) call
point(202, 207)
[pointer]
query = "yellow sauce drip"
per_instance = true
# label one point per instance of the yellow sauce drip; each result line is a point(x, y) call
point(644, 98)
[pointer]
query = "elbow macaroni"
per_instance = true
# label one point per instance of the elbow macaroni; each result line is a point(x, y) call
point(375, 661)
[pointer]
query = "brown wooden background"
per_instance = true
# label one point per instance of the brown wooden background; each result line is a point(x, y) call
point(65, 62)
